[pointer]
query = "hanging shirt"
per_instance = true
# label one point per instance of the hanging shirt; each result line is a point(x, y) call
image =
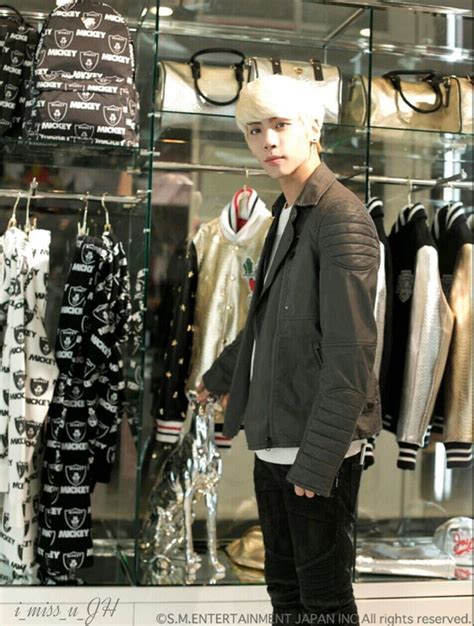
point(33, 373)
point(216, 285)
point(85, 411)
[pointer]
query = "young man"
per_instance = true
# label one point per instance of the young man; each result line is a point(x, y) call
point(299, 375)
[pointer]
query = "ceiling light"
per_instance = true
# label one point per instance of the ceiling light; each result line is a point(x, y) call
point(365, 32)
point(164, 11)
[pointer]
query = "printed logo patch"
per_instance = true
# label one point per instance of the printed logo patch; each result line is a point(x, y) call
point(6, 522)
point(102, 430)
point(20, 425)
point(57, 111)
point(75, 518)
point(36, 504)
point(44, 345)
point(19, 380)
point(101, 313)
point(11, 92)
point(41, 57)
point(39, 386)
point(112, 396)
point(405, 285)
point(19, 334)
point(30, 51)
point(32, 429)
point(76, 474)
point(85, 96)
point(112, 115)
point(249, 273)
point(56, 424)
point(76, 431)
point(63, 38)
point(87, 255)
point(17, 58)
point(54, 494)
point(91, 20)
point(84, 131)
point(73, 560)
point(21, 468)
point(29, 315)
point(67, 338)
point(77, 295)
point(77, 389)
point(89, 60)
point(117, 43)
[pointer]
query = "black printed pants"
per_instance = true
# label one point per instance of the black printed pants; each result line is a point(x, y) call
point(309, 547)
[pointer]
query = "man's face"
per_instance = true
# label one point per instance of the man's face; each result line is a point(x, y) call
point(280, 144)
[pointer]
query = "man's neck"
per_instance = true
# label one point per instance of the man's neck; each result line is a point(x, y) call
point(292, 185)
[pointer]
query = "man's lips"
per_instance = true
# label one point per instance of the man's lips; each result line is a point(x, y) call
point(274, 159)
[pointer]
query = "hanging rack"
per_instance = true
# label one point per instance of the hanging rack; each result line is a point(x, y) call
point(358, 177)
point(79, 197)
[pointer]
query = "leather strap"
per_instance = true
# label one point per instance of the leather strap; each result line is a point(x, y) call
point(428, 76)
point(238, 67)
point(7, 7)
point(276, 65)
point(317, 69)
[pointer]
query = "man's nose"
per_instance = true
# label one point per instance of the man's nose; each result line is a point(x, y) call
point(270, 139)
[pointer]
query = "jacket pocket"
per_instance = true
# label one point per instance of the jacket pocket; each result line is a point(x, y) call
point(317, 352)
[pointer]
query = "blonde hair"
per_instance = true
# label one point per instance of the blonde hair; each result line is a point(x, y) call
point(279, 96)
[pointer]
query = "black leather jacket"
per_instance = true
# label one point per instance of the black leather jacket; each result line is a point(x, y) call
point(313, 321)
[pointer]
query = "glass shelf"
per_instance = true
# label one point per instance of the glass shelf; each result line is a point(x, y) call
point(61, 154)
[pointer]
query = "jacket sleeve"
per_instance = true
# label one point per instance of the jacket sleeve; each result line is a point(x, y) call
point(431, 325)
point(349, 260)
point(218, 377)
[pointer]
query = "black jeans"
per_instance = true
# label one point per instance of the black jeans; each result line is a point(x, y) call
point(309, 547)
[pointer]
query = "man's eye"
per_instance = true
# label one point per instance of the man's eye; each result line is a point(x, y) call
point(254, 131)
point(281, 124)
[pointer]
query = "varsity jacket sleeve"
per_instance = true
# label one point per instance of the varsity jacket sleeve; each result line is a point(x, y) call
point(431, 324)
point(349, 261)
point(218, 377)
point(170, 403)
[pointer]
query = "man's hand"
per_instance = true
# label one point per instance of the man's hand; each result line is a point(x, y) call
point(300, 491)
point(203, 393)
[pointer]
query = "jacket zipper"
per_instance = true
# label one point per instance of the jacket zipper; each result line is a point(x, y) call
point(270, 436)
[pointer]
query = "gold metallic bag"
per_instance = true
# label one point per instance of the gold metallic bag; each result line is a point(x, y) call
point(434, 102)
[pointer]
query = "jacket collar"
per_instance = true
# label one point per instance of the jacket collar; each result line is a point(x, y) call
point(315, 186)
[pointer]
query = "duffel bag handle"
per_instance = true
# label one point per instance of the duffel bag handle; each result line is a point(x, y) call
point(7, 7)
point(239, 73)
point(428, 76)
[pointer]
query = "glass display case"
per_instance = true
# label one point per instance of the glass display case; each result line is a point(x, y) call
point(184, 172)
point(207, 154)
point(69, 177)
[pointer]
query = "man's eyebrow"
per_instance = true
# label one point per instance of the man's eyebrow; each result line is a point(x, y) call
point(253, 123)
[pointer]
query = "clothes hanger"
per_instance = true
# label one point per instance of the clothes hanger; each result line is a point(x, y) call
point(410, 191)
point(12, 223)
point(107, 225)
point(31, 194)
point(82, 229)
point(244, 197)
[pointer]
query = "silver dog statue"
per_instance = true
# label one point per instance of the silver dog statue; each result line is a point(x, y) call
point(193, 469)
